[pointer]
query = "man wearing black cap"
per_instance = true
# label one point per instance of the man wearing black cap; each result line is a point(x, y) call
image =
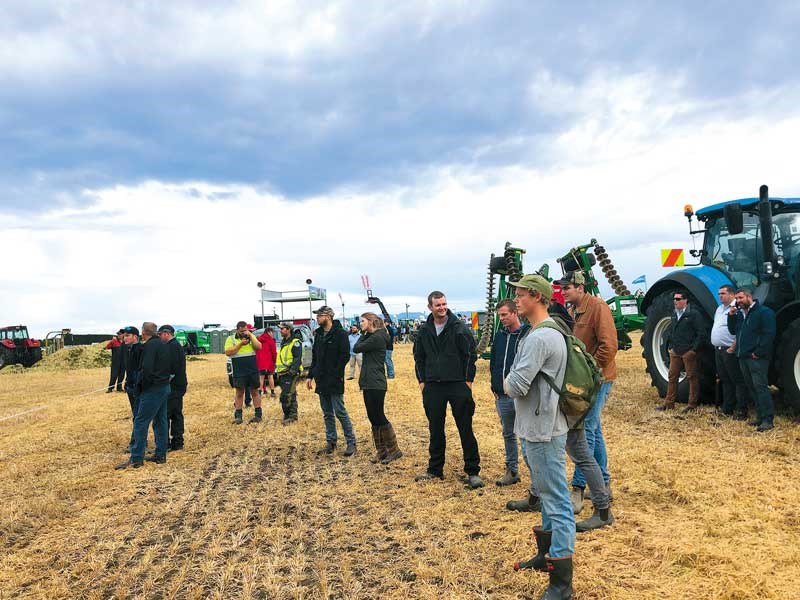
point(117, 368)
point(132, 359)
point(152, 400)
point(177, 386)
point(330, 356)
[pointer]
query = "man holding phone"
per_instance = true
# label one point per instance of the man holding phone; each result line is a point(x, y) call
point(241, 347)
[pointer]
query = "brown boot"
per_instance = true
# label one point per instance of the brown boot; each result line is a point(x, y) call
point(390, 444)
point(666, 406)
point(380, 446)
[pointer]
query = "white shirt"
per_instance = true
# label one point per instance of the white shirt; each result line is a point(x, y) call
point(720, 336)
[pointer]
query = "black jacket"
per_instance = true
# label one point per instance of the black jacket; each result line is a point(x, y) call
point(177, 357)
point(156, 363)
point(133, 366)
point(330, 356)
point(449, 356)
point(504, 350)
point(373, 366)
point(687, 333)
point(755, 334)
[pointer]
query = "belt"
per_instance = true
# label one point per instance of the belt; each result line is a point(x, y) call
point(721, 347)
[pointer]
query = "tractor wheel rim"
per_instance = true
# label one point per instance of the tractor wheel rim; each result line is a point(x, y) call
point(657, 344)
point(797, 369)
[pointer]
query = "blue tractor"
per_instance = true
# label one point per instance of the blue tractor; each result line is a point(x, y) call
point(753, 243)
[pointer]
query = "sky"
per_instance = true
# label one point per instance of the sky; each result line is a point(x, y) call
point(160, 159)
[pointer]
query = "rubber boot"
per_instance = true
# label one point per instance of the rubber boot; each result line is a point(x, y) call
point(601, 517)
point(529, 504)
point(560, 572)
point(538, 563)
point(390, 444)
point(576, 495)
point(380, 448)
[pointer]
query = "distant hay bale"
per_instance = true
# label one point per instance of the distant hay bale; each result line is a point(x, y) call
point(13, 370)
point(76, 357)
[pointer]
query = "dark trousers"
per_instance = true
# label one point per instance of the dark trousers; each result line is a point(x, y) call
point(288, 385)
point(133, 399)
point(117, 374)
point(435, 397)
point(756, 377)
point(175, 417)
point(734, 391)
point(373, 401)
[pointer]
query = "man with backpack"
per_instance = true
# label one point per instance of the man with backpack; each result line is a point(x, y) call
point(543, 427)
point(594, 326)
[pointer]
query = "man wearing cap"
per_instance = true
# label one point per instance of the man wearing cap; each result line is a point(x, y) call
point(444, 362)
point(288, 370)
point(117, 367)
point(355, 358)
point(594, 326)
point(152, 400)
point(543, 428)
point(330, 356)
point(241, 346)
point(177, 386)
point(132, 359)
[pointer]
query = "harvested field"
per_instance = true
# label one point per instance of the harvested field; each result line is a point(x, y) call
point(705, 507)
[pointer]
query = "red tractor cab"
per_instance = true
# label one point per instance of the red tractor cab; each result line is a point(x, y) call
point(17, 347)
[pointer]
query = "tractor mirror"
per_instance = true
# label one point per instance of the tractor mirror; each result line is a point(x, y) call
point(733, 218)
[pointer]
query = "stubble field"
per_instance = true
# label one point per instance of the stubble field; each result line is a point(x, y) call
point(705, 507)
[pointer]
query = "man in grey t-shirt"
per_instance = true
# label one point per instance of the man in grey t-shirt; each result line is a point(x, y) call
point(543, 428)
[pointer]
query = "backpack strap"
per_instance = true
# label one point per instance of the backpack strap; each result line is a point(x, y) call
point(549, 325)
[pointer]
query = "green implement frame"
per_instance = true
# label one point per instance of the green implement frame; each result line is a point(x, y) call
point(625, 307)
point(194, 341)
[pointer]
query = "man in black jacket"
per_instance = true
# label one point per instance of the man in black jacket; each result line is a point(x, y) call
point(177, 386)
point(132, 360)
point(330, 356)
point(444, 360)
point(686, 335)
point(155, 375)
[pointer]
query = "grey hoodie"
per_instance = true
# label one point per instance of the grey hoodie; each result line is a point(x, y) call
point(543, 349)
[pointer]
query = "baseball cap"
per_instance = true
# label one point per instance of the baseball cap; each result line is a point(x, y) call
point(324, 310)
point(131, 329)
point(285, 325)
point(536, 283)
point(249, 327)
point(122, 330)
point(572, 278)
point(167, 328)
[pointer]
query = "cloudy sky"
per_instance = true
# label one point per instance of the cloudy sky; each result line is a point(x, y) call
point(160, 158)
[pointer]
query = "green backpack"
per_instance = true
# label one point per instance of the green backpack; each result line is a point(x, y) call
point(582, 379)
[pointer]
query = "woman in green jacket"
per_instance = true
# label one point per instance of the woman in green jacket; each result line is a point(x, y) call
point(372, 381)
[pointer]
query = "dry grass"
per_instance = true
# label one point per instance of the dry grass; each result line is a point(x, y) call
point(705, 508)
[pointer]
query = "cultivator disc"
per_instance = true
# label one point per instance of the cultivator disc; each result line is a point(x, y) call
point(605, 264)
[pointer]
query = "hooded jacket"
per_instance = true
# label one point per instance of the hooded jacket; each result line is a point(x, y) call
point(447, 357)
point(372, 346)
point(504, 349)
point(330, 356)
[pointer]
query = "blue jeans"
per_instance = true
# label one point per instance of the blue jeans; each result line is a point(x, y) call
point(333, 408)
point(389, 365)
point(548, 461)
point(756, 377)
point(152, 407)
point(594, 437)
point(133, 398)
point(507, 413)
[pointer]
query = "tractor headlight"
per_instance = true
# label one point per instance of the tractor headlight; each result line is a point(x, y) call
point(780, 260)
point(768, 268)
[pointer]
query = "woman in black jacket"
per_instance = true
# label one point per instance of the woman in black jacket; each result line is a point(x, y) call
point(372, 381)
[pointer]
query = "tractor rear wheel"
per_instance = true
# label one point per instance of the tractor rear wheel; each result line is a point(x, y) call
point(654, 342)
point(789, 357)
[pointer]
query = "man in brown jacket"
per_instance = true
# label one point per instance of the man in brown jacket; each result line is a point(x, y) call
point(594, 326)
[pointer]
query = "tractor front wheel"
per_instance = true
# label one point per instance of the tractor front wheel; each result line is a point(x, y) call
point(789, 357)
point(654, 342)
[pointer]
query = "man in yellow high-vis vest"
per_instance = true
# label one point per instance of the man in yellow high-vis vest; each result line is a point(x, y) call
point(288, 370)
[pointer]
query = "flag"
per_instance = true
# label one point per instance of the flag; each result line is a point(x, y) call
point(341, 301)
point(640, 279)
point(672, 257)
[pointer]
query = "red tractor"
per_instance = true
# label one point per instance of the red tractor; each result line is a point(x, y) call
point(17, 347)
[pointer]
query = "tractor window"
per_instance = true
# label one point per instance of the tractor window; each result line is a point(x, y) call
point(786, 227)
point(739, 256)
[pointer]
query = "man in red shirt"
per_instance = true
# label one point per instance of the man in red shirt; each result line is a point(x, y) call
point(117, 368)
point(265, 360)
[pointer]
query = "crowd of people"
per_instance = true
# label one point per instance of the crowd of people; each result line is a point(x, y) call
point(528, 363)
